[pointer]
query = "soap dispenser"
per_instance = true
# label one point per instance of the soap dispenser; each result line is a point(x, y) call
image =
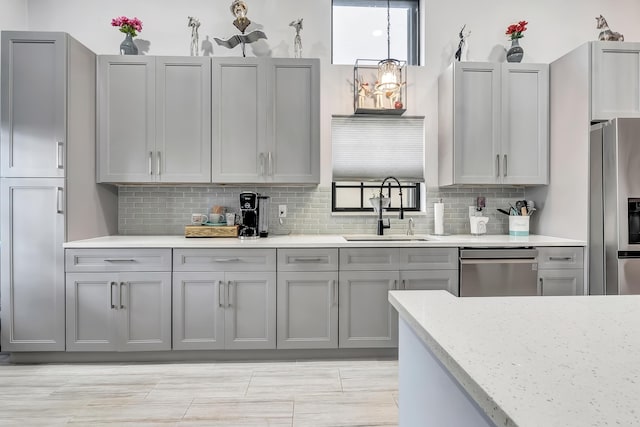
point(478, 222)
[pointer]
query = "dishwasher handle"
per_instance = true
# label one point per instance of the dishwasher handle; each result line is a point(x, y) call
point(468, 261)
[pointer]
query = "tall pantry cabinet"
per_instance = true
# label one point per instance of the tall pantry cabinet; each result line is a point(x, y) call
point(48, 193)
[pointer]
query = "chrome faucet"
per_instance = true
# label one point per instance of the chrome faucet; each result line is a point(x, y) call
point(381, 224)
point(410, 231)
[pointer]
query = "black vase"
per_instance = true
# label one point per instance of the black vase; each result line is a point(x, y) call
point(515, 52)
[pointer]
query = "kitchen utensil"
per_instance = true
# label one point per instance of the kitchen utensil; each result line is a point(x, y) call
point(519, 205)
point(523, 211)
point(503, 211)
point(512, 210)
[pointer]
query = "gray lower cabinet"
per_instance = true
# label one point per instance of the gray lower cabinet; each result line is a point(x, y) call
point(118, 299)
point(561, 282)
point(32, 274)
point(122, 311)
point(307, 306)
point(366, 276)
point(224, 299)
point(366, 317)
point(560, 271)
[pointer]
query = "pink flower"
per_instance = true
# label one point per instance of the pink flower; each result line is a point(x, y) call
point(127, 26)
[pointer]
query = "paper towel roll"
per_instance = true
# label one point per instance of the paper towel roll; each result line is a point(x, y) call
point(438, 218)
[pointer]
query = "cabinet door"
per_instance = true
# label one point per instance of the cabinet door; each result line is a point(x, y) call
point(183, 119)
point(476, 122)
point(561, 282)
point(33, 104)
point(144, 312)
point(524, 153)
point(293, 121)
point(366, 319)
point(126, 118)
point(250, 313)
point(239, 151)
point(198, 311)
point(430, 280)
point(308, 310)
point(615, 80)
point(32, 266)
point(92, 311)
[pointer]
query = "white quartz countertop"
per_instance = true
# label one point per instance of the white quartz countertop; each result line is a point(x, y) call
point(536, 361)
point(321, 241)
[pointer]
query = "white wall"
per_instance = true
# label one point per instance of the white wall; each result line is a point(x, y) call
point(13, 15)
point(555, 27)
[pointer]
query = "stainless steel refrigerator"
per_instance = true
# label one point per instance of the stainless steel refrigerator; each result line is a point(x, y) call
point(614, 216)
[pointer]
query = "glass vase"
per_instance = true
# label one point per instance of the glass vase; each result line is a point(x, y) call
point(515, 52)
point(128, 47)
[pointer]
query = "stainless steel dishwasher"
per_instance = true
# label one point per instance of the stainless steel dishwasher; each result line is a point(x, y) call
point(498, 272)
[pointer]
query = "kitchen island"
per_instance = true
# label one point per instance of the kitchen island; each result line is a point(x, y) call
point(518, 361)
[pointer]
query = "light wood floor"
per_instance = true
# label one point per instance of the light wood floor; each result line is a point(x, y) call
point(282, 393)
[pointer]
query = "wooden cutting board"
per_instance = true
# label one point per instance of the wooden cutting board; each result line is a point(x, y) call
point(211, 231)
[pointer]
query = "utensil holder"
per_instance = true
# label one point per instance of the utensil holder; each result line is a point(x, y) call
point(519, 225)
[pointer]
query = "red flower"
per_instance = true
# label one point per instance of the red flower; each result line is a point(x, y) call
point(514, 31)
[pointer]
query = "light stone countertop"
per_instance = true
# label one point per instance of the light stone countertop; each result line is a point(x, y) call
point(321, 241)
point(536, 361)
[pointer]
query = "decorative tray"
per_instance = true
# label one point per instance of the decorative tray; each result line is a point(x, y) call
point(211, 230)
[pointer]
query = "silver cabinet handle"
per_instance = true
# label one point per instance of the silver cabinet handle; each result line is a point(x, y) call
point(505, 165)
point(60, 200)
point(60, 155)
point(220, 286)
point(404, 285)
point(150, 161)
point(261, 164)
point(122, 284)
point(307, 259)
point(497, 165)
point(541, 286)
point(560, 258)
point(229, 283)
point(395, 284)
point(111, 285)
point(116, 260)
point(270, 158)
point(158, 161)
point(226, 260)
point(334, 285)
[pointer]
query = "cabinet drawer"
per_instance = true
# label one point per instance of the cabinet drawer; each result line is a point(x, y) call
point(428, 258)
point(560, 257)
point(98, 260)
point(224, 260)
point(307, 259)
point(369, 259)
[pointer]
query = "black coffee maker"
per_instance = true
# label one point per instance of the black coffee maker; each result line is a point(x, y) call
point(249, 215)
point(254, 215)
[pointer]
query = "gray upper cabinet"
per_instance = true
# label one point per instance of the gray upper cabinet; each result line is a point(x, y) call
point(154, 119)
point(615, 80)
point(266, 120)
point(34, 83)
point(493, 124)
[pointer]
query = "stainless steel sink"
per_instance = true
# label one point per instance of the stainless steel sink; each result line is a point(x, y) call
point(388, 238)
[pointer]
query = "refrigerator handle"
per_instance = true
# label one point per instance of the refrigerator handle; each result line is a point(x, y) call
point(59, 200)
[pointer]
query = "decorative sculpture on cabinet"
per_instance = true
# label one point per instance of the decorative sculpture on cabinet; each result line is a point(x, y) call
point(297, 41)
point(606, 34)
point(194, 23)
point(239, 10)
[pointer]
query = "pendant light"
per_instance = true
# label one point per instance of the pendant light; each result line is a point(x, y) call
point(388, 69)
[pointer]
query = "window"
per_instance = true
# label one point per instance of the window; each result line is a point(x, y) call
point(354, 196)
point(359, 30)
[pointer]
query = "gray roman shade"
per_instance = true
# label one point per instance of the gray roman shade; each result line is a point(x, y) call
point(374, 147)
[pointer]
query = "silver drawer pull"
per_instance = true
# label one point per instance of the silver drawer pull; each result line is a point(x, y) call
point(60, 155)
point(307, 259)
point(560, 258)
point(226, 260)
point(111, 285)
point(119, 260)
point(220, 287)
point(122, 284)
